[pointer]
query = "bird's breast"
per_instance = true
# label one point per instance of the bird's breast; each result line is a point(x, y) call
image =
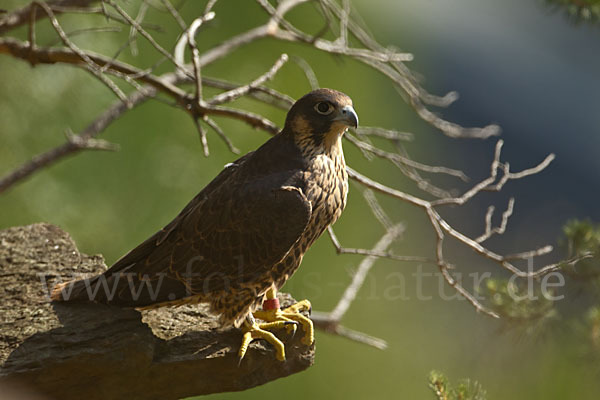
point(325, 184)
point(326, 189)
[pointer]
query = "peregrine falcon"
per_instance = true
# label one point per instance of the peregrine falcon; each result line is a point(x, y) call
point(241, 238)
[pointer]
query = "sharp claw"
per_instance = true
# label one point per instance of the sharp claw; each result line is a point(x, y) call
point(289, 318)
point(291, 327)
point(293, 312)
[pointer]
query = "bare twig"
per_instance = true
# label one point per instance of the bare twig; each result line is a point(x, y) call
point(364, 252)
point(173, 11)
point(209, 5)
point(489, 230)
point(406, 161)
point(70, 147)
point(23, 15)
point(442, 228)
point(308, 72)
point(78, 32)
point(343, 39)
point(488, 183)
point(261, 93)
point(222, 135)
point(389, 134)
point(91, 66)
point(145, 34)
point(240, 91)
point(89, 143)
point(188, 38)
point(377, 210)
point(191, 32)
point(164, 83)
point(203, 139)
point(414, 175)
point(132, 31)
point(102, 11)
point(331, 321)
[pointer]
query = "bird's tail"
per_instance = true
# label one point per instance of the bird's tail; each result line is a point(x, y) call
point(76, 290)
point(120, 289)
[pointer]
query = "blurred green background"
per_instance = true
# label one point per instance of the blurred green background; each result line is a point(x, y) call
point(533, 73)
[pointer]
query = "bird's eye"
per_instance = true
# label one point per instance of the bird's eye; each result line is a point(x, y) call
point(324, 108)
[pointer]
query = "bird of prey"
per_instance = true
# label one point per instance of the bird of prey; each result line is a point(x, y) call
point(240, 239)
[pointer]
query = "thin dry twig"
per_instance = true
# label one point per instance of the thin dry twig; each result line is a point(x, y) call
point(187, 38)
point(388, 134)
point(84, 31)
point(173, 11)
point(70, 147)
point(215, 127)
point(145, 34)
point(489, 184)
point(261, 93)
point(231, 95)
point(202, 134)
point(377, 209)
point(365, 252)
point(343, 39)
point(90, 65)
point(360, 275)
point(27, 14)
point(489, 230)
point(406, 161)
point(132, 31)
point(330, 321)
point(414, 175)
point(310, 75)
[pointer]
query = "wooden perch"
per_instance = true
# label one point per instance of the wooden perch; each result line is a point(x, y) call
point(73, 351)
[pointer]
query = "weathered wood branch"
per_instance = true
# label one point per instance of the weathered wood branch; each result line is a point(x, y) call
point(93, 351)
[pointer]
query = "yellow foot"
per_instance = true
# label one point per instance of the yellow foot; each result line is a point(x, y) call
point(253, 330)
point(291, 314)
point(287, 318)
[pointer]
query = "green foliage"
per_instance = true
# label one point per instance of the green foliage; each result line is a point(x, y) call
point(527, 307)
point(521, 304)
point(583, 238)
point(578, 10)
point(465, 390)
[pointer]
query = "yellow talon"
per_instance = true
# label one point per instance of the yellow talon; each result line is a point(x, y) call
point(252, 331)
point(294, 313)
point(287, 318)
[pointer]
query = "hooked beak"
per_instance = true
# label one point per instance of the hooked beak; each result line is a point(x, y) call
point(348, 116)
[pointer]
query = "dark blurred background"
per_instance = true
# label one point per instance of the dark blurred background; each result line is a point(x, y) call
point(513, 63)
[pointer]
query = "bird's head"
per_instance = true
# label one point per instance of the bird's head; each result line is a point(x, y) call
point(319, 119)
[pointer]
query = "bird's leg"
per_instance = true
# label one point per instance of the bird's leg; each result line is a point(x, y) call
point(272, 313)
point(276, 318)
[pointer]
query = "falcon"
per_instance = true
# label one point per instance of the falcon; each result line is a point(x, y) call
point(244, 235)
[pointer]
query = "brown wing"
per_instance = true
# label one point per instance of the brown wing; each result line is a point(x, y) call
point(234, 231)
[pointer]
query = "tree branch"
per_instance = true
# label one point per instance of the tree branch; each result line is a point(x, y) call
point(62, 351)
point(72, 146)
point(23, 15)
point(330, 321)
